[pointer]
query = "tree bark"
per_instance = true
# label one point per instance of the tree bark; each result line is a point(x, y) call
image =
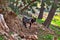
point(5, 27)
point(4, 30)
point(40, 16)
point(51, 14)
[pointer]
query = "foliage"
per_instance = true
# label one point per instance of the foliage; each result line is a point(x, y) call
point(1, 37)
point(56, 21)
point(45, 37)
point(48, 2)
point(39, 21)
point(58, 38)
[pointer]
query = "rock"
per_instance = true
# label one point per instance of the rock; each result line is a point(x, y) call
point(23, 39)
point(31, 37)
point(22, 35)
point(34, 37)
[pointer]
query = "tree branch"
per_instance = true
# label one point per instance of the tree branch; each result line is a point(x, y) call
point(28, 5)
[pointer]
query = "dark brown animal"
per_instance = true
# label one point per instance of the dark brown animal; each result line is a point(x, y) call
point(28, 20)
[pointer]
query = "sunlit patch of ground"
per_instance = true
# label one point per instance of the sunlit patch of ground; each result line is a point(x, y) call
point(56, 21)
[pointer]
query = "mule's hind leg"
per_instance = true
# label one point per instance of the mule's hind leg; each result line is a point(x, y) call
point(24, 24)
point(30, 26)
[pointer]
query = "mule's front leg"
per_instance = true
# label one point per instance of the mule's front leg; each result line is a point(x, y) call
point(30, 26)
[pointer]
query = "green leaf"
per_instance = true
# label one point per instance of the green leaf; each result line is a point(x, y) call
point(48, 2)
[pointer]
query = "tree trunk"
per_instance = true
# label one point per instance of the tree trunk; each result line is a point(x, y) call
point(51, 14)
point(4, 30)
point(41, 10)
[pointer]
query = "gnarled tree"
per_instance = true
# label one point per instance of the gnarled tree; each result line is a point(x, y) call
point(51, 14)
